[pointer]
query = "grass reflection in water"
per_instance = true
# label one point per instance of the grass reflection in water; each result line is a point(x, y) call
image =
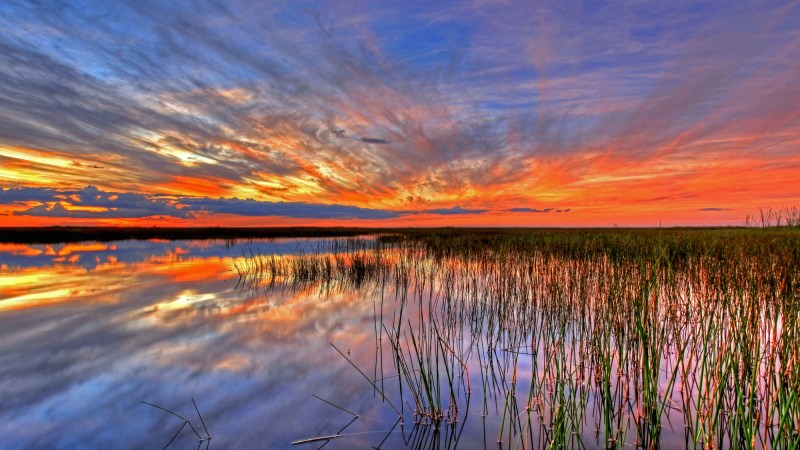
point(572, 339)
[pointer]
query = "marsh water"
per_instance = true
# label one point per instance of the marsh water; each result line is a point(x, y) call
point(329, 342)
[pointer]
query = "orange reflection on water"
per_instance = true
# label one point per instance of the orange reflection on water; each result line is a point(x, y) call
point(69, 249)
point(20, 249)
point(36, 287)
point(207, 269)
point(169, 292)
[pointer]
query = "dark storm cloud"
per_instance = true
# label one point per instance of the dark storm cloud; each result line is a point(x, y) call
point(374, 140)
point(117, 205)
point(21, 195)
point(134, 205)
point(531, 210)
point(536, 210)
point(455, 210)
point(250, 207)
point(131, 205)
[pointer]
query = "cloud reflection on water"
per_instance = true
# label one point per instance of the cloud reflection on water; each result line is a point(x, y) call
point(81, 346)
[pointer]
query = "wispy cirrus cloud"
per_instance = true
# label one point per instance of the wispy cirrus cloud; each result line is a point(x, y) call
point(404, 107)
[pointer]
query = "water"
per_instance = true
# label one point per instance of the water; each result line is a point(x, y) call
point(89, 331)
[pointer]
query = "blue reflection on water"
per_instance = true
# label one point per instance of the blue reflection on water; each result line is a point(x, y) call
point(91, 254)
point(165, 326)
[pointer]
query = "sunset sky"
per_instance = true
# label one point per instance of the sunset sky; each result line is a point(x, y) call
point(501, 113)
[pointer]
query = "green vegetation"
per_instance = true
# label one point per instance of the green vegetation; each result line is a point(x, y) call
point(566, 338)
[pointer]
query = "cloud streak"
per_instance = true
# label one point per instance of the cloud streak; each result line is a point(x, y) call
point(536, 210)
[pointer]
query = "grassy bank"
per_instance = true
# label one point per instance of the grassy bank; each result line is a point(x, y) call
point(447, 237)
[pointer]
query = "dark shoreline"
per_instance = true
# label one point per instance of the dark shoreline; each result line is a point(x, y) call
point(52, 235)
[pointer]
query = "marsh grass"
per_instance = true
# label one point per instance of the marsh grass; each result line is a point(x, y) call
point(605, 338)
point(186, 421)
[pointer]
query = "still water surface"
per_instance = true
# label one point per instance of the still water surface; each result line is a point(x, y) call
point(527, 351)
point(89, 330)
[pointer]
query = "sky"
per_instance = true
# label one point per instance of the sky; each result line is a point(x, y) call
point(465, 113)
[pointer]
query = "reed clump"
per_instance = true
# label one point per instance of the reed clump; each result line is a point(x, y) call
point(568, 337)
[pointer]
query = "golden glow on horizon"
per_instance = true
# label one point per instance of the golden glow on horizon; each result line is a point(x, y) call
point(598, 188)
